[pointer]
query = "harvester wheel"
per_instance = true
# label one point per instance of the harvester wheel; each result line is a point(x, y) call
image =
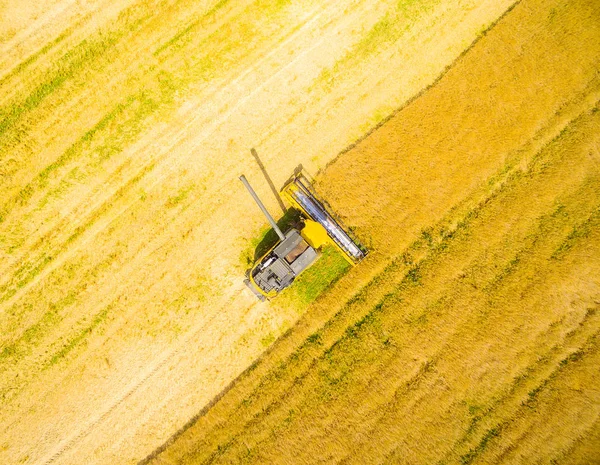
point(249, 285)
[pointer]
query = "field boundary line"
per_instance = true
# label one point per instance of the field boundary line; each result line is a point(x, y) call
point(425, 89)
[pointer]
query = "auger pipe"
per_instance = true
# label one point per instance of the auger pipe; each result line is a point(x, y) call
point(262, 207)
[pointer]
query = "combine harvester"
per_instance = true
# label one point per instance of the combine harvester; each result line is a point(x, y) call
point(297, 249)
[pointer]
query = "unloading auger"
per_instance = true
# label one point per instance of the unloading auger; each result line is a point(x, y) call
point(297, 249)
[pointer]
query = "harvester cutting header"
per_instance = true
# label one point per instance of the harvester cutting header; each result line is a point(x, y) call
point(297, 249)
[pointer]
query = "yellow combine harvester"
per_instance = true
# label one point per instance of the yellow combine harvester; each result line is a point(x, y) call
point(297, 249)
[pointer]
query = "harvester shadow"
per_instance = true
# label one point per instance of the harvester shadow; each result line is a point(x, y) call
point(268, 179)
point(291, 219)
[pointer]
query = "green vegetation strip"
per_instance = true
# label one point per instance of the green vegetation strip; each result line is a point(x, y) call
point(78, 338)
point(185, 31)
point(307, 287)
point(393, 25)
point(73, 61)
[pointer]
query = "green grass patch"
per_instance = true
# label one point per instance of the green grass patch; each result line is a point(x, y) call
point(31, 336)
point(387, 30)
point(181, 35)
point(267, 340)
point(329, 267)
point(78, 338)
point(72, 62)
point(381, 33)
point(180, 196)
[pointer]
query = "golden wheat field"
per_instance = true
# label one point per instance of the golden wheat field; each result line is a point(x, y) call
point(459, 140)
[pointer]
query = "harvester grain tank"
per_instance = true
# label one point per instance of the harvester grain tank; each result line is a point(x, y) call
point(297, 249)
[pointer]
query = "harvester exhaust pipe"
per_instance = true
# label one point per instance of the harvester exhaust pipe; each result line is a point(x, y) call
point(262, 207)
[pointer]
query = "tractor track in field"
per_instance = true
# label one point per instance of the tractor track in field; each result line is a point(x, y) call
point(135, 385)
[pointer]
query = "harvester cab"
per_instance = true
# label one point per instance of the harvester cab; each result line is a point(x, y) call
point(297, 249)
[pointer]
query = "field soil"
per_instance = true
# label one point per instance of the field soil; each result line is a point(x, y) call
point(123, 128)
point(471, 333)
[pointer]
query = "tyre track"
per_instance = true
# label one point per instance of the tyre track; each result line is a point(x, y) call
point(135, 385)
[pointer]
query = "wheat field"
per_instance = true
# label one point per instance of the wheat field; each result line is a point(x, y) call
point(458, 140)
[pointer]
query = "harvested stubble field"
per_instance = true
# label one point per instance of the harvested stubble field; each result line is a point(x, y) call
point(469, 333)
